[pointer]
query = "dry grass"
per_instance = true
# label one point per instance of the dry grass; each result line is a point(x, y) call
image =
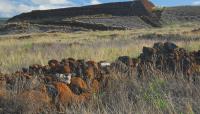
point(22, 50)
point(124, 95)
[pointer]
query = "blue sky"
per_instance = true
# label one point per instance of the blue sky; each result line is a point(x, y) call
point(9, 8)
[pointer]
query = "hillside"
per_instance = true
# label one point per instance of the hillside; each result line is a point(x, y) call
point(130, 8)
point(108, 16)
point(181, 14)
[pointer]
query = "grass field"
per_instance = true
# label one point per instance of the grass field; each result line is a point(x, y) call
point(159, 95)
point(19, 51)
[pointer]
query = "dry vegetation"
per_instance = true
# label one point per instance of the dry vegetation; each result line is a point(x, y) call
point(22, 50)
point(124, 95)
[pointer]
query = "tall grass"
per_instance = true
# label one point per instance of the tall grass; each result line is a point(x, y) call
point(125, 94)
point(107, 45)
point(160, 94)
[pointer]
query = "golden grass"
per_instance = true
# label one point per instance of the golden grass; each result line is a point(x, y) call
point(22, 50)
point(156, 96)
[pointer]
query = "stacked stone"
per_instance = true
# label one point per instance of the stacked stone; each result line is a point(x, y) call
point(166, 58)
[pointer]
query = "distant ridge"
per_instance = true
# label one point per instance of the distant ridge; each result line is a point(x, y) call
point(130, 8)
point(107, 16)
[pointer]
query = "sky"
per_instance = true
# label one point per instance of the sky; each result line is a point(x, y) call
point(9, 8)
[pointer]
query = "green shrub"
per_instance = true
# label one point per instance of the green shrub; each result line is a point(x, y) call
point(154, 94)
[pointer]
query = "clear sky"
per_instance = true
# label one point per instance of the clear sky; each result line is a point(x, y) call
point(9, 8)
